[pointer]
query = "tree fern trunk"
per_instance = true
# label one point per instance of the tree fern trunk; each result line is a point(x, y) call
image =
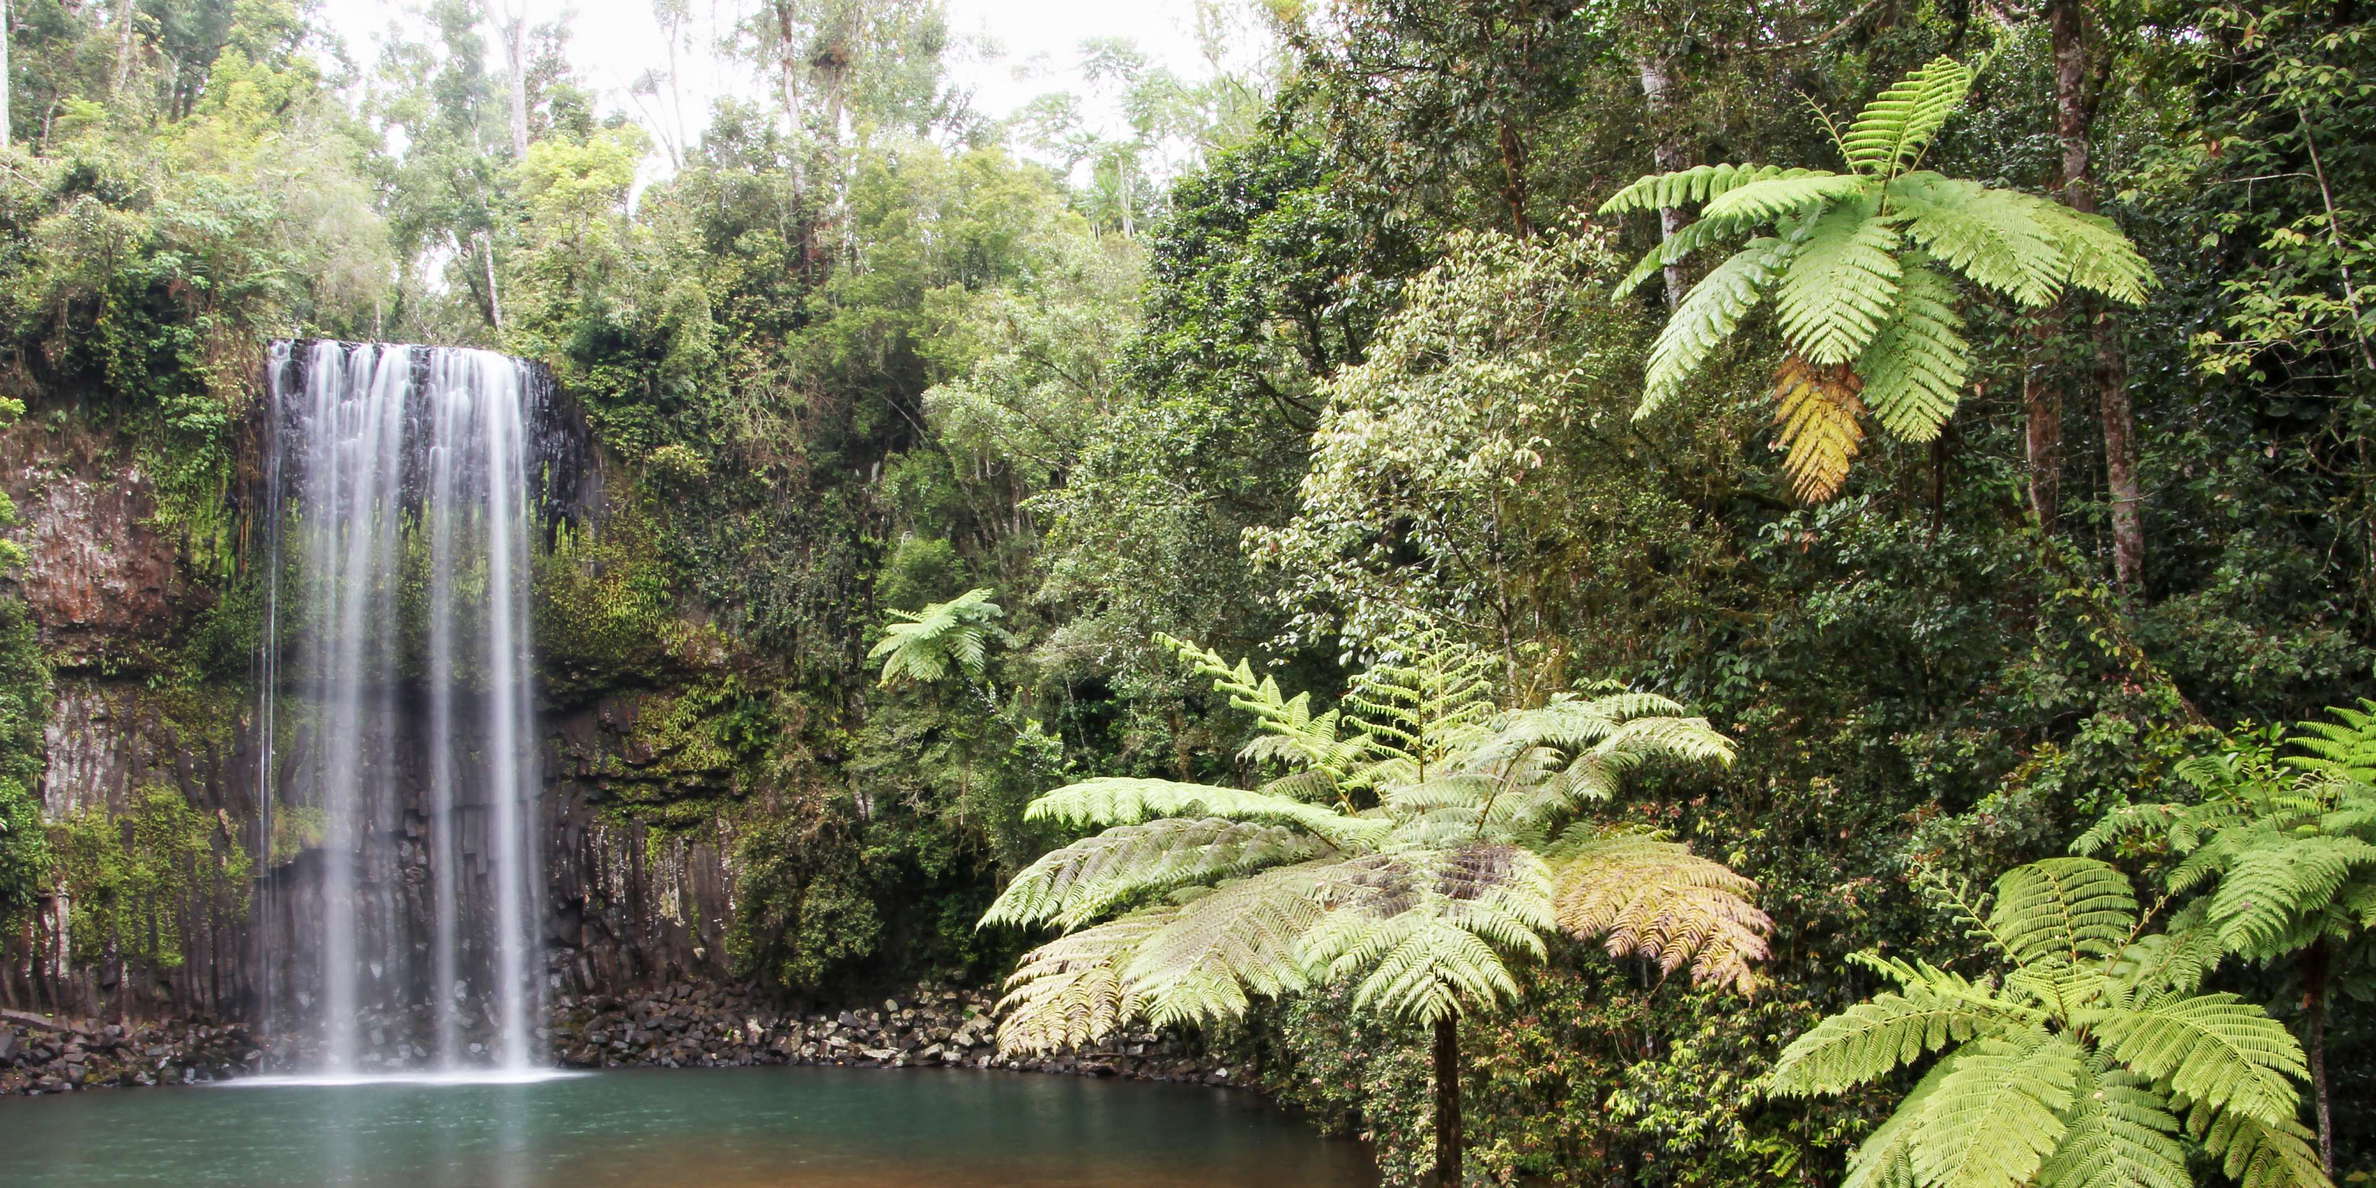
point(2314, 996)
point(1447, 1101)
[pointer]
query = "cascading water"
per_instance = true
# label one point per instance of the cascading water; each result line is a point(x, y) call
point(398, 726)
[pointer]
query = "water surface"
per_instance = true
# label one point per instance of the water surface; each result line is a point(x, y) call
point(721, 1127)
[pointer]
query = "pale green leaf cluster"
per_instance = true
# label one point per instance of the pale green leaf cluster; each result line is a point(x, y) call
point(1422, 841)
point(1855, 268)
point(926, 645)
point(2093, 1060)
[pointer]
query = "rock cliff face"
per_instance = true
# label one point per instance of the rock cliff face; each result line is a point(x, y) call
point(154, 698)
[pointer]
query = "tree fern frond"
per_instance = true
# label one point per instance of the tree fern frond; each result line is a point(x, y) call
point(2344, 748)
point(1821, 426)
point(1128, 800)
point(1708, 315)
point(2215, 1049)
point(1885, 1158)
point(2259, 1154)
point(2121, 1132)
point(1994, 1118)
point(1876, 1037)
point(1689, 187)
point(2063, 909)
point(1995, 237)
point(923, 645)
point(1768, 199)
point(1069, 992)
point(1915, 369)
point(1894, 129)
point(1647, 897)
point(1842, 282)
point(1219, 948)
point(1675, 248)
point(2102, 260)
point(2272, 888)
point(1081, 881)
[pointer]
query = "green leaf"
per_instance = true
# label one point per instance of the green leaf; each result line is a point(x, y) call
point(2216, 1049)
point(1916, 368)
point(1894, 129)
point(1707, 316)
point(1840, 285)
point(2063, 909)
point(1994, 1118)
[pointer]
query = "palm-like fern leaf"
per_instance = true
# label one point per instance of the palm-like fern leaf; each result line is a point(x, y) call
point(1688, 187)
point(1648, 897)
point(1996, 1116)
point(1772, 198)
point(1128, 800)
point(1069, 992)
point(2270, 897)
point(1708, 315)
point(1894, 129)
point(2063, 909)
point(2257, 1154)
point(923, 645)
point(2344, 748)
point(1217, 949)
point(1878, 1036)
point(1914, 370)
point(2215, 1049)
point(2121, 1132)
point(1080, 882)
point(1842, 282)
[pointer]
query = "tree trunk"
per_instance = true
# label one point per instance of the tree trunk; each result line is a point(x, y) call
point(122, 75)
point(515, 48)
point(5, 17)
point(1447, 1101)
point(1666, 152)
point(2314, 1005)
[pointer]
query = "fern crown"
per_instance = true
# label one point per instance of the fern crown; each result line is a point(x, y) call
point(926, 645)
point(1415, 841)
point(1857, 268)
point(2093, 1059)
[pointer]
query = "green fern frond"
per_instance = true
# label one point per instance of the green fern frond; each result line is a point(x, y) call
point(1690, 187)
point(1221, 947)
point(1675, 248)
point(1842, 282)
point(924, 645)
point(2121, 1133)
point(2102, 260)
point(1708, 315)
point(1894, 129)
point(1916, 367)
point(2274, 890)
point(1885, 1158)
point(1876, 1037)
point(1996, 1116)
point(2344, 748)
point(1774, 198)
point(1069, 992)
point(2259, 1154)
point(1073, 885)
point(2063, 909)
point(1995, 237)
point(1129, 800)
point(2215, 1049)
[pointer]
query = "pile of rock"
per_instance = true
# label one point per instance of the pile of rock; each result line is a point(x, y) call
point(39, 1054)
point(685, 1025)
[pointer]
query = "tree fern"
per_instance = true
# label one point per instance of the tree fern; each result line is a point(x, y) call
point(2090, 1062)
point(1434, 863)
point(925, 645)
point(2281, 849)
point(1852, 271)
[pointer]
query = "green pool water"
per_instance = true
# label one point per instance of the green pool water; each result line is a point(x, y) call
point(722, 1127)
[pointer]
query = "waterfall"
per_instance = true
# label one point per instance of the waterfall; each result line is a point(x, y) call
point(398, 718)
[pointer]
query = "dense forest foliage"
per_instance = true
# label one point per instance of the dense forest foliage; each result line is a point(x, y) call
point(1335, 364)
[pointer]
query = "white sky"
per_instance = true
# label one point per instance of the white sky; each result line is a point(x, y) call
point(614, 41)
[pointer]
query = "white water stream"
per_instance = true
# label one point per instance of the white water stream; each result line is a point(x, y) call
point(400, 745)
